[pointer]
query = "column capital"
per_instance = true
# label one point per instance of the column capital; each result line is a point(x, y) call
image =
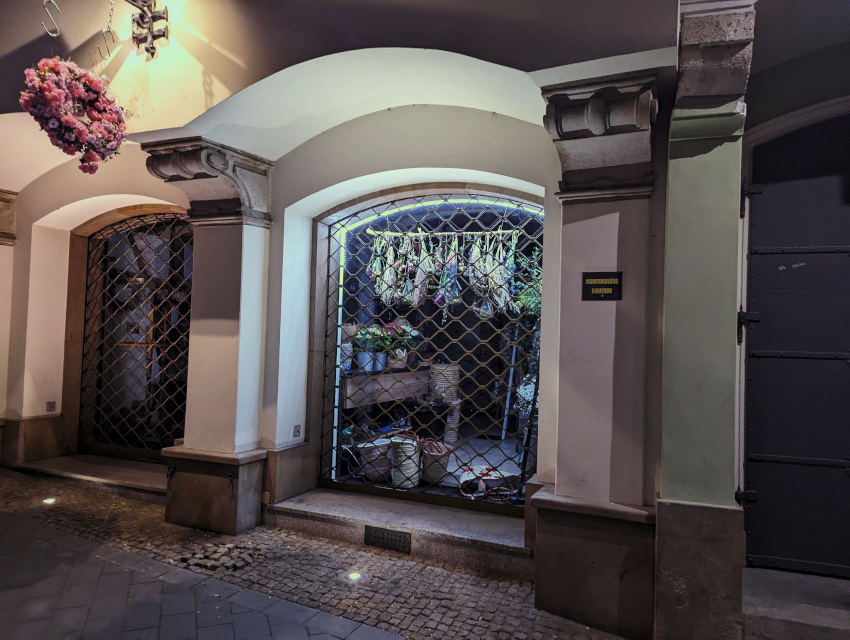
point(602, 130)
point(716, 49)
point(7, 217)
point(224, 185)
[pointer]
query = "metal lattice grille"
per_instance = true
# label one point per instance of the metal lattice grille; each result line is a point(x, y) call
point(136, 341)
point(432, 347)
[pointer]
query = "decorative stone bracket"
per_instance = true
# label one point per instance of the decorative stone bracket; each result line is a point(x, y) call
point(716, 51)
point(224, 185)
point(7, 217)
point(602, 130)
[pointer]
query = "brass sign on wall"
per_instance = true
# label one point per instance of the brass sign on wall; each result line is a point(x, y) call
point(602, 285)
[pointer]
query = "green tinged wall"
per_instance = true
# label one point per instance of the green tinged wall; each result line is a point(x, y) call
point(700, 303)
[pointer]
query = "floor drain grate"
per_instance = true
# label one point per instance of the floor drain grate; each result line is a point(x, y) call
point(387, 539)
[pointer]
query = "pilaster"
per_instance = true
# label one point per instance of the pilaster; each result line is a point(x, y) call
point(696, 505)
point(228, 192)
point(602, 129)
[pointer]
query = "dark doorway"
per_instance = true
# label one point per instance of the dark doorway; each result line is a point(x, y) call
point(797, 442)
point(136, 342)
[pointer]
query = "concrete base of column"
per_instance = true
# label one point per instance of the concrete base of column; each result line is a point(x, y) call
point(291, 471)
point(214, 491)
point(700, 551)
point(532, 486)
point(34, 439)
point(594, 563)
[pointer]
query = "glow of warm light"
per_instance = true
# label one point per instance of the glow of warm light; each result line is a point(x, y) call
point(49, 500)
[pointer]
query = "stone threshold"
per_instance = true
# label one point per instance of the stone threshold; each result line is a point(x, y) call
point(780, 605)
point(148, 477)
point(484, 543)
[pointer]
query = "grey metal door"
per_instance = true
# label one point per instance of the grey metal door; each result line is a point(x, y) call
point(797, 447)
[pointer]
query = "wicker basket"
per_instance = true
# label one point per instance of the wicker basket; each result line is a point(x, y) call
point(451, 434)
point(405, 455)
point(444, 381)
point(435, 461)
point(375, 463)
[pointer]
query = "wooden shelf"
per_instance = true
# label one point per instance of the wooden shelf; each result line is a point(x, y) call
point(363, 389)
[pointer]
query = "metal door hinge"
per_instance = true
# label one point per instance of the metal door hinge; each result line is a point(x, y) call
point(745, 318)
point(742, 496)
point(748, 191)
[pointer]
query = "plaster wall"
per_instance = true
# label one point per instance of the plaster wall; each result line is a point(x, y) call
point(602, 360)
point(6, 261)
point(700, 346)
point(226, 337)
point(47, 210)
point(817, 77)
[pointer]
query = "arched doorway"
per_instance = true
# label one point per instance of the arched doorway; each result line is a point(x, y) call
point(432, 348)
point(136, 336)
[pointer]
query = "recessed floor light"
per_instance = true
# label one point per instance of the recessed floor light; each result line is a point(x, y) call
point(49, 500)
point(354, 576)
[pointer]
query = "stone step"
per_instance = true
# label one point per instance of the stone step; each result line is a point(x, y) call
point(148, 477)
point(483, 543)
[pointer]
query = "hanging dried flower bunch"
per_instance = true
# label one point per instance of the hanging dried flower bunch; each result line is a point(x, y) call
point(72, 105)
point(405, 267)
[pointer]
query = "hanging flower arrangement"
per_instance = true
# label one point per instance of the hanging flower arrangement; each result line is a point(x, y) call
point(405, 270)
point(72, 105)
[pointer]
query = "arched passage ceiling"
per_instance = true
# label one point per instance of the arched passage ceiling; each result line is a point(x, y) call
point(218, 47)
point(279, 113)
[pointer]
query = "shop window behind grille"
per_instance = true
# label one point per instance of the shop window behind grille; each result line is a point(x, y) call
point(432, 348)
point(136, 342)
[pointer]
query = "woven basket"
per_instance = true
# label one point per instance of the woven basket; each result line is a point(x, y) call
point(451, 434)
point(405, 455)
point(375, 463)
point(435, 461)
point(444, 381)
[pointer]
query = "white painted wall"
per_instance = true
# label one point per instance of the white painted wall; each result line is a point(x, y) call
point(46, 210)
point(6, 260)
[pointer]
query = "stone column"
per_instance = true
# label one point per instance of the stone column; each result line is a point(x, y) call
point(592, 525)
point(700, 538)
point(215, 476)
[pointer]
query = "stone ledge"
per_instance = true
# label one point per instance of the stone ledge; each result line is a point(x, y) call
point(233, 459)
point(545, 498)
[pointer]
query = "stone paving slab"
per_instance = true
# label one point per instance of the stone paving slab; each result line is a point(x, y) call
point(56, 586)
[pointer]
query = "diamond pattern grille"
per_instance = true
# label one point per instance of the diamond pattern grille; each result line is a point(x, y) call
point(456, 414)
point(136, 339)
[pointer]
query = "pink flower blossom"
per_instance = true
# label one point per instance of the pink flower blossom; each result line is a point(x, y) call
point(72, 106)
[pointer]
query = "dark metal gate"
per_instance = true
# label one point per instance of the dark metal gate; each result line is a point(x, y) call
point(797, 444)
point(432, 348)
point(136, 341)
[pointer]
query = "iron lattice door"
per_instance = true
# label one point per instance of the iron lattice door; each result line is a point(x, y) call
point(136, 342)
point(798, 354)
point(432, 349)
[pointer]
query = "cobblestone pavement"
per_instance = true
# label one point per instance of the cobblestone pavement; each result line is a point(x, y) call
point(403, 596)
point(57, 586)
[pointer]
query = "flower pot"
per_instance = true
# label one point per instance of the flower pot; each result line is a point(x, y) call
point(371, 362)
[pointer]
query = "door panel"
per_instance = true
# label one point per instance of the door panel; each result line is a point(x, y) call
point(797, 419)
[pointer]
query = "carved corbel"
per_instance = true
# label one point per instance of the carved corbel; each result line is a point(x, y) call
point(224, 185)
point(602, 130)
point(716, 49)
point(7, 217)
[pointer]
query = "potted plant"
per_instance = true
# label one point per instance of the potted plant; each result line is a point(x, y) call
point(371, 347)
point(403, 340)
